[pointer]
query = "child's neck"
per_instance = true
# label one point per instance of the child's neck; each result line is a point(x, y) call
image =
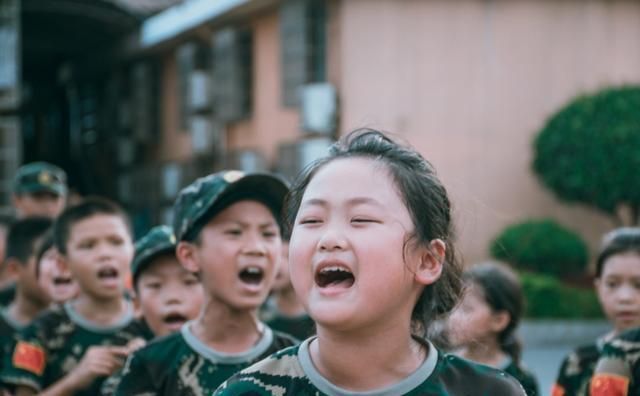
point(487, 353)
point(288, 303)
point(24, 309)
point(103, 312)
point(339, 356)
point(225, 329)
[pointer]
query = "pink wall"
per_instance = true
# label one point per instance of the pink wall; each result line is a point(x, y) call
point(470, 82)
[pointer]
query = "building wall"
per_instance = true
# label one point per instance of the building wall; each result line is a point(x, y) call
point(470, 82)
point(271, 123)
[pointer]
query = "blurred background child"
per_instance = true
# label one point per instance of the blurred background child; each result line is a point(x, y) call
point(54, 278)
point(483, 326)
point(284, 310)
point(618, 286)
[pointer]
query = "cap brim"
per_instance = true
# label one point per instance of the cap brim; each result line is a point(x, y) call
point(35, 188)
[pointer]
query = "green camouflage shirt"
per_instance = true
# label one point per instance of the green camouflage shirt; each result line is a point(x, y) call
point(8, 330)
point(290, 372)
point(524, 376)
point(620, 360)
point(49, 348)
point(576, 371)
point(181, 364)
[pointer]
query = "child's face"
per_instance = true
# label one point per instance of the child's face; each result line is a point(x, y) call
point(473, 321)
point(168, 295)
point(237, 255)
point(55, 280)
point(619, 290)
point(346, 251)
point(29, 282)
point(99, 251)
point(39, 204)
point(283, 280)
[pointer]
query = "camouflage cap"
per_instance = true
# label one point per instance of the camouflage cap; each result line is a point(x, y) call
point(158, 240)
point(200, 201)
point(38, 177)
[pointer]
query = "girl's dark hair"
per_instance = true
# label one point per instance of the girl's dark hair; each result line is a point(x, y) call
point(502, 291)
point(45, 244)
point(621, 240)
point(425, 198)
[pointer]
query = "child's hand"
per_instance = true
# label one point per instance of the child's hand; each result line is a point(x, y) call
point(98, 361)
point(135, 344)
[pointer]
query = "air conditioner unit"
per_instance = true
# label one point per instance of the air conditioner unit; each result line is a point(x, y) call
point(201, 133)
point(310, 150)
point(199, 94)
point(171, 180)
point(246, 160)
point(319, 108)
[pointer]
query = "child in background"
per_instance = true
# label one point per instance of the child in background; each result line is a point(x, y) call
point(30, 299)
point(284, 310)
point(227, 227)
point(483, 327)
point(52, 277)
point(39, 189)
point(166, 294)
point(71, 348)
point(372, 261)
point(618, 286)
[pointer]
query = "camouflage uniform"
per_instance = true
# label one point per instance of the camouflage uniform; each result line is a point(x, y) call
point(524, 376)
point(290, 372)
point(8, 329)
point(181, 364)
point(576, 371)
point(49, 348)
point(618, 369)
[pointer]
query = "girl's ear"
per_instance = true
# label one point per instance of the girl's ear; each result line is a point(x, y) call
point(500, 321)
point(431, 261)
point(186, 254)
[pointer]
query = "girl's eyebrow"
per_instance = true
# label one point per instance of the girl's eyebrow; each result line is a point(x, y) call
point(351, 202)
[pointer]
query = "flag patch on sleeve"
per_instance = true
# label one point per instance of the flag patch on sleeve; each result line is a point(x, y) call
point(29, 357)
point(609, 385)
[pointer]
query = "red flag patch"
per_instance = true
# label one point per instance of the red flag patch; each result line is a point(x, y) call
point(29, 357)
point(609, 385)
point(557, 390)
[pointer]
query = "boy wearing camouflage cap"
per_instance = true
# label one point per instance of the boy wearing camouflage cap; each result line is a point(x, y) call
point(39, 189)
point(166, 294)
point(227, 227)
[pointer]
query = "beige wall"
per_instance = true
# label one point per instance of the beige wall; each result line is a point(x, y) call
point(271, 123)
point(470, 82)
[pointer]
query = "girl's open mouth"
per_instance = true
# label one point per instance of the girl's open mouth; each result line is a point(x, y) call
point(251, 275)
point(334, 276)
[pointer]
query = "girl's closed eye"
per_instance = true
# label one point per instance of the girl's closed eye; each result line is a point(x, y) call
point(233, 231)
point(364, 220)
point(310, 220)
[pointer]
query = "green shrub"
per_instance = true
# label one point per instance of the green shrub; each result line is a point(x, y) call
point(589, 151)
point(548, 298)
point(541, 246)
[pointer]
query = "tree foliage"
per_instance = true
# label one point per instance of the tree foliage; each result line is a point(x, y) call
point(589, 151)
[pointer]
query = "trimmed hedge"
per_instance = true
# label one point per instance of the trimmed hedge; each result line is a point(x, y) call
point(541, 246)
point(589, 151)
point(548, 298)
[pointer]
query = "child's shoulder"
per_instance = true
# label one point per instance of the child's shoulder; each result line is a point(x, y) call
point(163, 349)
point(461, 376)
